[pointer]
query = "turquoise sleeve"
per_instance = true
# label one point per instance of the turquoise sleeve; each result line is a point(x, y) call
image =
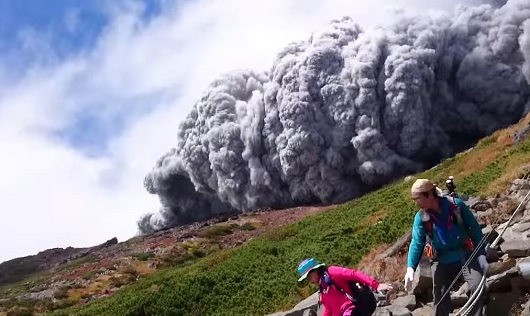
point(417, 243)
point(473, 225)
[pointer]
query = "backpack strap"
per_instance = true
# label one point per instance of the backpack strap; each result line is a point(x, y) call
point(455, 218)
point(428, 225)
point(329, 280)
point(456, 212)
point(351, 298)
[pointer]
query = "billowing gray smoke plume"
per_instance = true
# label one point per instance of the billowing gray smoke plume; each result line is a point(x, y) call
point(345, 112)
point(525, 47)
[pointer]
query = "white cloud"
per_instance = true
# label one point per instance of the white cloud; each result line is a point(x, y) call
point(52, 195)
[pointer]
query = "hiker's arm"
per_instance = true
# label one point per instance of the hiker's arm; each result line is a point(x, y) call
point(473, 225)
point(358, 276)
point(417, 243)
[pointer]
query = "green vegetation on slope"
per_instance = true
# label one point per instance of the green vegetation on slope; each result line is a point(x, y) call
point(260, 277)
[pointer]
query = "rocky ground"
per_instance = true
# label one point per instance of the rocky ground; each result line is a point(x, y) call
point(508, 276)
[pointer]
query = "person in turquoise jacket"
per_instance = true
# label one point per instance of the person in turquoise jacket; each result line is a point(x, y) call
point(454, 232)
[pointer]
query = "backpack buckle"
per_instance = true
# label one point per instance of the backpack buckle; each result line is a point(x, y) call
point(429, 251)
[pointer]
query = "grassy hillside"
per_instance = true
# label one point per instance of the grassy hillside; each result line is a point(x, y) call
point(260, 276)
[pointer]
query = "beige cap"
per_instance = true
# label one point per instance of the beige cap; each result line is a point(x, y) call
point(423, 185)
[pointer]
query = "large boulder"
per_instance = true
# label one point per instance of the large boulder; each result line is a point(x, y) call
point(307, 307)
point(408, 301)
point(516, 248)
point(422, 283)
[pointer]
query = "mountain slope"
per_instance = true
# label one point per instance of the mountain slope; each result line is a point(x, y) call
point(259, 277)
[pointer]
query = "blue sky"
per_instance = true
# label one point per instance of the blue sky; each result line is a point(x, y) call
point(74, 25)
point(70, 26)
point(36, 33)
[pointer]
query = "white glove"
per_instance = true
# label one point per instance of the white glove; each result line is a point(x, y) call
point(409, 276)
point(483, 262)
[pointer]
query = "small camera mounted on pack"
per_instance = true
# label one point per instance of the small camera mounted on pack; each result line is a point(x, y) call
point(450, 186)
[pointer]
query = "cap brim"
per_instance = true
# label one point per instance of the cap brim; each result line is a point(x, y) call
point(304, 276)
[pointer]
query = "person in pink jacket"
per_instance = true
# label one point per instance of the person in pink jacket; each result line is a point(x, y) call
point(331, 280)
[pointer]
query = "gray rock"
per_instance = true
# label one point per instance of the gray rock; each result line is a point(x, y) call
point(483, 216)
point(516, 248)
point(494, 202)
point(523, 267)
point(380, 311)
point(525, 219)
point(310, 312)
point(526, 212)
point(39, 288)
point(481, 205)
point(516, 285)
point(519, 195)
point(422, 283)
point(500, 282)
point(309, 302)
point(519, 184)
point(398, 310)
point(526, 309)
point(423, 311)
point(408, 178)
point(500, 266)
point(500, 227)
point(472, 200)
point(500, 303)
point(307, 307)
point(459, 298)
point(521, 227)
point(408, 302)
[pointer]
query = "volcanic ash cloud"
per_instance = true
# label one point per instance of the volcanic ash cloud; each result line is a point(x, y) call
point(344, 112)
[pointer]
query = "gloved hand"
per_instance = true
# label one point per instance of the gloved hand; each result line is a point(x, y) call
point(483, 262)
point(409, 276)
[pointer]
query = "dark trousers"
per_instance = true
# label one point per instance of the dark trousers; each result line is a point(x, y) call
point(444, 274)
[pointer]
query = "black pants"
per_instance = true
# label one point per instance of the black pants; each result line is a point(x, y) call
point(444, 274)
